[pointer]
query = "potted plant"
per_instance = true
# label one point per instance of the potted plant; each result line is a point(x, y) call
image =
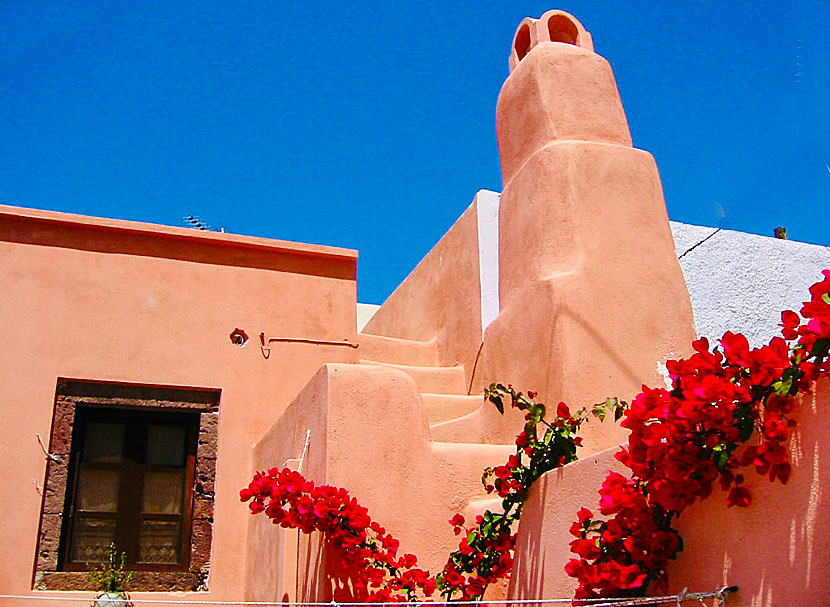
point(111, 580)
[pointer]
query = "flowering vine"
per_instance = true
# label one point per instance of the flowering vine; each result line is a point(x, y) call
point(364, 547)
point(685, 439)
point(682, 441)
point(485, 551)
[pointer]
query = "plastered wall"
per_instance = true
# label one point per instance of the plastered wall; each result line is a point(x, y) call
point(742, 282)
point(122, 302)
point(777, 551)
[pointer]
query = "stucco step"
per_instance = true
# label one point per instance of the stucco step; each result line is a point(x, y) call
point(434, 380)
point(397, 351)
point(483, 455)
point(444, 407)
point(465, 428)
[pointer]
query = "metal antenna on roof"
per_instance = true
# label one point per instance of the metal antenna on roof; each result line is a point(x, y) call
point(195, 222)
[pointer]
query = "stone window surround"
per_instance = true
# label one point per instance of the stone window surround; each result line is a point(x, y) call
point(73, 393)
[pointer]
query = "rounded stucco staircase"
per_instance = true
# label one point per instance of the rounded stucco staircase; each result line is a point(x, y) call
point(443, 389)
point(453, 415)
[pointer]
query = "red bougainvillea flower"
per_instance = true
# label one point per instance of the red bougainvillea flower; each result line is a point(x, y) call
point(683, 440)
point(789, 323)
point(738, 496)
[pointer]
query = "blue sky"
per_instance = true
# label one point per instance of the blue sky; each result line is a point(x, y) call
point(371, 125)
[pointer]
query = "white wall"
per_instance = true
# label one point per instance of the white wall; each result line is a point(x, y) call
point(742, 282)
point(365, 313)
point(737, 282)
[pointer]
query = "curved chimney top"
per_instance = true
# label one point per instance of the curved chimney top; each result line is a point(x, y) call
point(554, 26)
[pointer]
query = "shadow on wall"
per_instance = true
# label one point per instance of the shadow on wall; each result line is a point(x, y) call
point(542, 548)
point(542, 342)
point(778, 550)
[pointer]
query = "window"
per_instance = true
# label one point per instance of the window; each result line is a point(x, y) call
point(135, 466)
point(131, 484)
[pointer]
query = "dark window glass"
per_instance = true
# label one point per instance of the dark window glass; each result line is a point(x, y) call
point(131, 483)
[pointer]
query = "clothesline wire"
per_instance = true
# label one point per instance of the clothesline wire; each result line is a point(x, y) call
point(677, 599)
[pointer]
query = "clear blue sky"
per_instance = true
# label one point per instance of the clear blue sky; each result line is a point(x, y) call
point(370, 125)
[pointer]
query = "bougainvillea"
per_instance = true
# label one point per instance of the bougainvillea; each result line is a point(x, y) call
point(685, 439)
point(485, 553)
point(485, 550)
point(682, 441)
point(364, 547)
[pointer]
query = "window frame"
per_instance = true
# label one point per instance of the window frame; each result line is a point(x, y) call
point(49, 572)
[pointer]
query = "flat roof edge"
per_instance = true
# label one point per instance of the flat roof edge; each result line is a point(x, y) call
point(204, 237)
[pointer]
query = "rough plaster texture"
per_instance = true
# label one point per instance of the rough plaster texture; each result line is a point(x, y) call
point(369, 433)
point(777, 551)
point(119, 301)
point(583, 227)
point(742, 282)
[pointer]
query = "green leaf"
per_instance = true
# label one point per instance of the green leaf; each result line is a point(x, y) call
point(745, 426)
point(721, 459)
point(620, 410)
point(599, 411)
point(782, 387)
point(496, 400)
point(821, 348)
point(535, 411)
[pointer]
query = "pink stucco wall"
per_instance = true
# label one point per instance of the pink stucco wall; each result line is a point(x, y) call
point(591, 297)
point(777, 551)
point(369, 434)
point(591, 294)
point(124, 302)
point(440, 300)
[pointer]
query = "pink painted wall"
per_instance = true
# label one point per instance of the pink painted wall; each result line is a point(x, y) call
point(777, 551)
point(125, 302)
point(441, 298)
point(369, 434)
point(542, 544)
point(591, 295)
